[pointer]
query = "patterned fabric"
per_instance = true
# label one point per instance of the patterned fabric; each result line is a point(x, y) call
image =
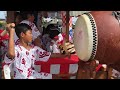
point(3, 45)
point(24, 62)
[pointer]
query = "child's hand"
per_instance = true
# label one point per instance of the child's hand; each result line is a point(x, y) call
point(10, 27)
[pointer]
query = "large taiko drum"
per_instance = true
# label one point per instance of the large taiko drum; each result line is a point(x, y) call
point(97, 36)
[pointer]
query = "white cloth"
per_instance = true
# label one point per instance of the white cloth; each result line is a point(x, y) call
point(60, 37)
point(54, 48)
point(24, 62)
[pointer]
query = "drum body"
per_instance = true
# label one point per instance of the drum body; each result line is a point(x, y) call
point(97, 36)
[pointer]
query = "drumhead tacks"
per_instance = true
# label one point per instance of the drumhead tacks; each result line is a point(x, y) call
point(95, 36)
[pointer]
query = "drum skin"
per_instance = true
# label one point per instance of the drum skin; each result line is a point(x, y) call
point(108, 30)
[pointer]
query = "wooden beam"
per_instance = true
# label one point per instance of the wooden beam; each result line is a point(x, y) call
point(67, 25)
point(10, 16)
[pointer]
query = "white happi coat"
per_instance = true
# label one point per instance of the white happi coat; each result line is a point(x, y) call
point(24, 62)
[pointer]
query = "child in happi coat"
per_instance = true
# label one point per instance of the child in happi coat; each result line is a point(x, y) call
point(23, 55)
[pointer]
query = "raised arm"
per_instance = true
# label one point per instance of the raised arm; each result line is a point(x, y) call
point(11, 49)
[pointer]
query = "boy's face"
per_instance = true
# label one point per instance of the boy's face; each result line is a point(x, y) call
point(27, 37)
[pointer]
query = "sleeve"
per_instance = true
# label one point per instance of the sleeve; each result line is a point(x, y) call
point(42, 55)
point(35, 32)
point(8, 61)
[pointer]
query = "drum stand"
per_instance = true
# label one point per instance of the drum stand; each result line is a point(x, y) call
point(88, 70)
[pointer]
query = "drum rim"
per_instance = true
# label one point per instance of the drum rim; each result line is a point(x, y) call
point(95, 35)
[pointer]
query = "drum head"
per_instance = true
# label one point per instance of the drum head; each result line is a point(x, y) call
point(85, 37)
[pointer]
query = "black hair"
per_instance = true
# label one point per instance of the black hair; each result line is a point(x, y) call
point(52, 30)
point(22, 27)
point(54, 34)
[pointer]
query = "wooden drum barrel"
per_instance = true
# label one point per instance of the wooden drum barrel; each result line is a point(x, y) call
point(97, 37)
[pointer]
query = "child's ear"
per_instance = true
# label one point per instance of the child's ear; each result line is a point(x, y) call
point(22, 34)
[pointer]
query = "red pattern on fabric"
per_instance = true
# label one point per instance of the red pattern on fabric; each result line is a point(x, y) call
point(37, 51)
point(43, 54)
point(18, 54)
point(5, 64)
point(29, 72)
point(31, 25)
point(20, 47)
point(23, 61)
point(33, 56)
point(27, 53)
point(20, 70)
point(17, 42)
point(14, 73)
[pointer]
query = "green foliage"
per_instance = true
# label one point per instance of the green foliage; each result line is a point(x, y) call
point(2, 24)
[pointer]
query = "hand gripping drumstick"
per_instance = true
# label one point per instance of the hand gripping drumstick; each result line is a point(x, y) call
point(12, 25)
point(9, 26)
